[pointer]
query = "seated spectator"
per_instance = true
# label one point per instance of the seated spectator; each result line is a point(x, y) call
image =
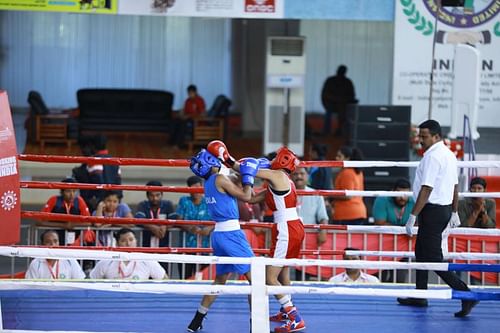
point(194, 106)
point(252, 212)
point(68, 202)
point(320, 178)
point(129, 270)
point(193, 207)
point(53, 269)
point(349, 210)
point(477, 212)
point(110, 206)
point(96, 173)
point(394, 210)
point(154, 208)
point(353, 275)
point(311, 208)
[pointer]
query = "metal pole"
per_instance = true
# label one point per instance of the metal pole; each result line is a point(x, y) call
point(286, 116)
point(438, 3)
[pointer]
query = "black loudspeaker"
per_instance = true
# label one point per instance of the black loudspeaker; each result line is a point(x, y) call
point(382, 133)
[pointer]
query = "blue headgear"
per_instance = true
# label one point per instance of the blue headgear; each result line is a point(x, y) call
point(202, 163)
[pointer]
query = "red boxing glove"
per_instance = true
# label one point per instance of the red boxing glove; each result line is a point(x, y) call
point(219, 150)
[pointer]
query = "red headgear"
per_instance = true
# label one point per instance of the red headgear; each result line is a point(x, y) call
point(285, 159)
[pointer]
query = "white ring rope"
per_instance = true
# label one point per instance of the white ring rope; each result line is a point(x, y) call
point(460, 164)
point(125, 256)
point(397, 230)
point(355, 193)
point(200, 289)
point(411, 254)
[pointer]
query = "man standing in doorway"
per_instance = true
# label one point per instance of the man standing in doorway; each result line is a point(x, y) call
point(337, 93)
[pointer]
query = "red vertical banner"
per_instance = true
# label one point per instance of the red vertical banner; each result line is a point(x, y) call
point(10, 199)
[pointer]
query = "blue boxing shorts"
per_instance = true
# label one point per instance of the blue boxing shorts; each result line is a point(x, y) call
point(231, 244)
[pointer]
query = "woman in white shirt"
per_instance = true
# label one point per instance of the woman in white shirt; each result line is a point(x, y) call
point(128, 270)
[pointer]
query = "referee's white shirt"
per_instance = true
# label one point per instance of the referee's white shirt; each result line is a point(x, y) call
point(437, 169)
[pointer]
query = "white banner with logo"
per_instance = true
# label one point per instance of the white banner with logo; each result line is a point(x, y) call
point(205, 8)
point(476, 24)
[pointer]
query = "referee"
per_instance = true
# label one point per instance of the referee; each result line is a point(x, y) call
point(436, 191)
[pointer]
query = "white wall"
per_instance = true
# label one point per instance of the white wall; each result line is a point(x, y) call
point(57, 54)
point(364, 47)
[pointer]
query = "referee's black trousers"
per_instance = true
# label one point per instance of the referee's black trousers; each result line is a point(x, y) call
point(432, 221)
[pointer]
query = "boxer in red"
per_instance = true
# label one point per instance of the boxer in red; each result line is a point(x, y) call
point(288, 230)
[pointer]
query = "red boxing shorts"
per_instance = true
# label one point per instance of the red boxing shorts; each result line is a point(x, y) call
point(287, 239)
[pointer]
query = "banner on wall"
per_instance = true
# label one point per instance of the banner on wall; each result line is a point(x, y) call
point(204, 8)
point(70, 6)
point(10, 201)
point(417, 23)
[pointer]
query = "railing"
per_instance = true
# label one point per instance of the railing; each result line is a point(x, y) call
point(336, 239)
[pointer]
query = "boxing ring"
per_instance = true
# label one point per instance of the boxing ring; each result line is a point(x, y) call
point(168, 306)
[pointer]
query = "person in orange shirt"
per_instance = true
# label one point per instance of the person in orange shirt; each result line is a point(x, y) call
point(194, 106)
point(349, 210)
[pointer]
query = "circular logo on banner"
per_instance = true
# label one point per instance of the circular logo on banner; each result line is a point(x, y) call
point(472, 14)
point(8, 200)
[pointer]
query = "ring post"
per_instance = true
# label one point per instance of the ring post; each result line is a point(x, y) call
point(260, 300)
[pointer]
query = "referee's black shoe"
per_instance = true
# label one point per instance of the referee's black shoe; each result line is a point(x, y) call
point(466, 308)
point(411, 301)
point(196, 323)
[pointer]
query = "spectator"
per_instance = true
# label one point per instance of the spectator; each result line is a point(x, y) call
point(252, 212)
point(194, 207)
point(394, 210)
point(349, 210)
point(110, 206)
point(477, 212)
point(129, 270)
point(96, 173)
point(337, 93)
point(194, 106)
point(53, 269)
point(68, 202)
point(311, 208)
point(320, 178)
point(154, 208)
point(353, 275)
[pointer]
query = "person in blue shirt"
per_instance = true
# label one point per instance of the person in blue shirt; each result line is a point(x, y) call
point(394, 210)
point(154, 208)
point(228, 240)
point(194, 207)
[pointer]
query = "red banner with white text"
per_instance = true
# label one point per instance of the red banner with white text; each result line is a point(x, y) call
point(10, 213)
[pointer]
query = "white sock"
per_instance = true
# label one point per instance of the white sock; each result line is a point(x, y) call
point(202, 309)
point(285, 301)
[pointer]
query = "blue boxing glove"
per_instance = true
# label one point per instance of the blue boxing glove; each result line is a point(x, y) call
point(264, 163)
point(248, 169)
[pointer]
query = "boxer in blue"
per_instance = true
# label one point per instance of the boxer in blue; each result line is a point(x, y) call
point(228, 240)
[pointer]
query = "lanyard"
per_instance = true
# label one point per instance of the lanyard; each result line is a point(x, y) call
point(112, 215)
point(250, 210)
point(157, 213)
point(399, 213)
point(122, 274)
point(56, 275)
point(68, 207)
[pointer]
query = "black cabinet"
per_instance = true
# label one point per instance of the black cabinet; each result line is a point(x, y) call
point(382, 133)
